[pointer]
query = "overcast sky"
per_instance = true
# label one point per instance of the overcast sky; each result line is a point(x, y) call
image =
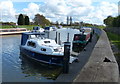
point(90, 11)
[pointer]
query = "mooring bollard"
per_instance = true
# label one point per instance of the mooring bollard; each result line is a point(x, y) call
point(66, 57)
point(68, 37)
point(56, 38)
point(59, 38)
point(90, 37)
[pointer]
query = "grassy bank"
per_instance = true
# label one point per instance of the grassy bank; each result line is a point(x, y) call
point(114, 38)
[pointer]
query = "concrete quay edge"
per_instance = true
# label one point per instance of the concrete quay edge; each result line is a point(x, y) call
point(102, 65)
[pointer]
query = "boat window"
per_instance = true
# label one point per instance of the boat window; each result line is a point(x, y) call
point(79, 37)
point(47, 28)
point(43, 49)
point(46, 41)
point(56, 50)
point(32, 36)
point(32, 44)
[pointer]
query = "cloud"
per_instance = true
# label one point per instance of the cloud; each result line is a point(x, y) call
point(26, 0)
point(101, 12)
point(111, 1)
point(31, 10)
point(7, 11)
point(56, 7)
point(108, 8)
point(80, 10)
point(58, 10)
point(94, 14)
point(79, 3)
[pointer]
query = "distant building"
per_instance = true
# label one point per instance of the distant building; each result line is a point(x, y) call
point(67, 20)
point(70, 20)
point(119, 8)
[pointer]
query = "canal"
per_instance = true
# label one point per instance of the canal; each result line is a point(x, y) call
point(17, 68)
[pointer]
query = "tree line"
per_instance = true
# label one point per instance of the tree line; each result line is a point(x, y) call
point(42, 21)
point(38, 20)
point(23, 20)
point(112, 21)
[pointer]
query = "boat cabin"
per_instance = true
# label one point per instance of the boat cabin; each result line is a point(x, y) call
point(37, 29)
point(27, 35)
point(37, 43)
point(50, 28)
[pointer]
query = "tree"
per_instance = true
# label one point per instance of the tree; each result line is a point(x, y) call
point(70, 21)
point(27, 22)
point(36, 19)
point(115, 22)
point(20, 20)
point(67, 20)
point(61, 23)
point(109, 21)
point(118, 21)
point(112, 21)
point(57, 23)
point(41, 20)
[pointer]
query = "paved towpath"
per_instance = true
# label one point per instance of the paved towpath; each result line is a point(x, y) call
point(102, 65)
point(76, 67)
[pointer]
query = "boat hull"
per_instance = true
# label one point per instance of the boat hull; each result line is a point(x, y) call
point(43, 58)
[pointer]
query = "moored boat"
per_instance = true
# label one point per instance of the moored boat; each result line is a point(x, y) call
point(50, 28)
point(38, 48)
point(37, 29)
point(80, 40)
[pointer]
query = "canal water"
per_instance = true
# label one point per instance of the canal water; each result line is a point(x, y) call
point(17, 68)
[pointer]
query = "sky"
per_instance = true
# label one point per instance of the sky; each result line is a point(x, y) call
point(89, 11)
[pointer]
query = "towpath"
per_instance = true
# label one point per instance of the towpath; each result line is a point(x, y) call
point(76, 67)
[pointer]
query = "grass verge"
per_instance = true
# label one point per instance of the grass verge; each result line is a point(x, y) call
point(114, 38)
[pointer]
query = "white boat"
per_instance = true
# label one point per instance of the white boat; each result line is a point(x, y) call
point(36, 47)
point(50, 28)
point(59, 27)
point(37, 29)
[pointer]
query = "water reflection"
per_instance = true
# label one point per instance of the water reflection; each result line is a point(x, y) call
point(17, 68)
point(33, 68)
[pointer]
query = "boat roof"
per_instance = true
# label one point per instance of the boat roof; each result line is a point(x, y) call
point(42, 41)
